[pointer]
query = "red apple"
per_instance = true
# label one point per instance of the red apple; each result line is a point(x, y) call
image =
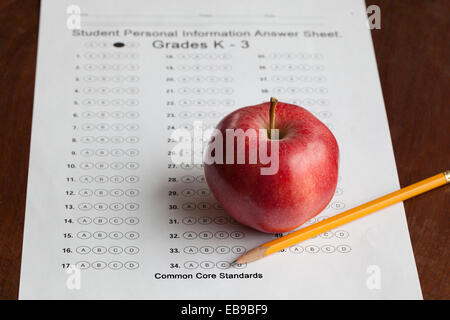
point(307, 168)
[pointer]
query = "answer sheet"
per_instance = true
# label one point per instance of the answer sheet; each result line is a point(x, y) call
point(109, 216)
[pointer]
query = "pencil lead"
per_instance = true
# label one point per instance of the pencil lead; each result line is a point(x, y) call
point(231, 264)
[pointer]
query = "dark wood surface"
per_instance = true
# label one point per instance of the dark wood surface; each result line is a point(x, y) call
point(412, 50)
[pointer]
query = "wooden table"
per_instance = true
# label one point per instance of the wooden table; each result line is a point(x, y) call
point(412, 50)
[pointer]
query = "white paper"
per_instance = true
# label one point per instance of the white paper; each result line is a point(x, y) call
point(99, 190)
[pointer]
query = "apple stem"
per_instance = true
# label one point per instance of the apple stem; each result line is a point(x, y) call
point(273, 105)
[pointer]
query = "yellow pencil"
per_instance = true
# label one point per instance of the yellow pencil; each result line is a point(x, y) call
point(344, 217)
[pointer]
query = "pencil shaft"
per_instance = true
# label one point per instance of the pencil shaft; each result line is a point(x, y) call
point(355, 213)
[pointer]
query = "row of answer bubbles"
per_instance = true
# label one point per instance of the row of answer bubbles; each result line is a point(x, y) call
point(106, 152)
point(206, 103)
point(189, 166)
point(110, 55)
point(101, 235)
point(200, 56)
point(105, 165)
point(113, 265)
point(190, 179)
point(220, 220)
point(189, 206)
point(103, 250)
point(297, 67)
point(106, 90)
point(200, 90)
point(110, 67)
point(103, 139)
point(110, 102)
point(343, 248)
point(306, 90)
point(207, 68)
point(112, 114)
point(218, 249)
point(131, 206)
point(105, 78)
point(106, 126)
point(302, 78)
point(210, 265)
point(113, 221)
point(110, 192)
point(202, 124)
point(206, 79)
point(206, 235)
point(113, 179)
point(201, 114)
point(294, 55)
point(310, 102)
point(203, 140)
point(187, 152)
point(191, 192)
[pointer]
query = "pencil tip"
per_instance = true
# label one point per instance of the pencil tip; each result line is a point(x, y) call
point(252, 255)
point(232, 263)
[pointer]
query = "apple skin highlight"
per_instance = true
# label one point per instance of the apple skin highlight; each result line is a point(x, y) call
point(306, 179)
